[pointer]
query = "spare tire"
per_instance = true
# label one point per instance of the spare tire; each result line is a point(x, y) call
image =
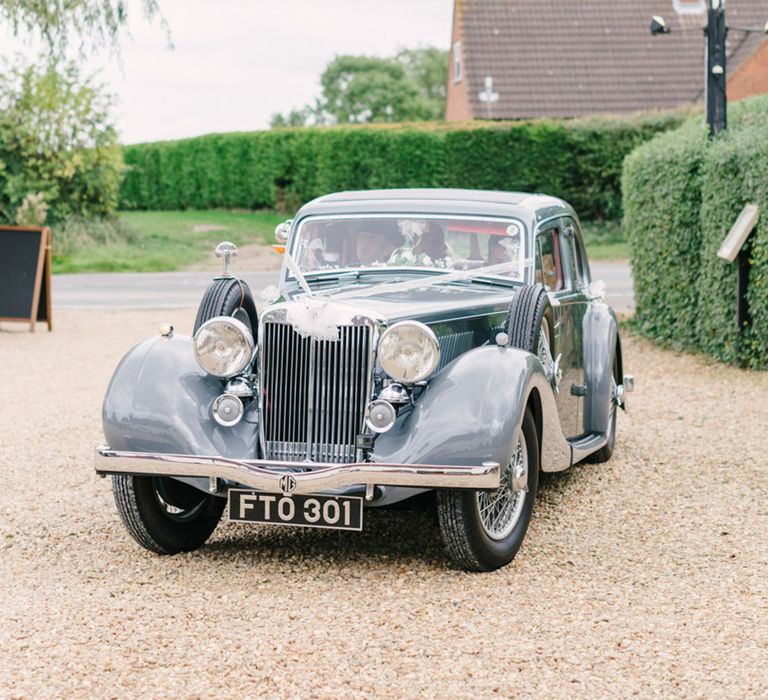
point(530, 326)
point(228, 296)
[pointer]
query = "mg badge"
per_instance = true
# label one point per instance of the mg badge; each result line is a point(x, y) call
point(287, 484)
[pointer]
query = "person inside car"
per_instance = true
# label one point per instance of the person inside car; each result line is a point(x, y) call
point(377, 240)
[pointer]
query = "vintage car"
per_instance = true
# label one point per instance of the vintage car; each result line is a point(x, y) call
point(443, 346)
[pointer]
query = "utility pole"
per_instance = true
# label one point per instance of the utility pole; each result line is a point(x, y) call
point(716, 32)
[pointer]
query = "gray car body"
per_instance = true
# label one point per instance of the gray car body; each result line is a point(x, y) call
point(159, 400)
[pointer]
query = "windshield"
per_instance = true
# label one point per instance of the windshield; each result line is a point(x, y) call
point(428, 243)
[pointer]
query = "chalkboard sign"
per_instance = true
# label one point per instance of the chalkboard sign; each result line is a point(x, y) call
point(25, 275)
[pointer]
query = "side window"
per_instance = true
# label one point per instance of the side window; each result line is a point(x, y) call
point(549, 266)
point(576, 270)
point(457, 73)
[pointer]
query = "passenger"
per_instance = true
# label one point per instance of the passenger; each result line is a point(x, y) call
point(431, 246)
point(502, 249)
point(377, 240)
point(498, 250)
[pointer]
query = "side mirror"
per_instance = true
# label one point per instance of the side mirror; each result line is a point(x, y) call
point(282, 231)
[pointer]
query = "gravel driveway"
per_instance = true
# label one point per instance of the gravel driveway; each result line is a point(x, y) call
point(648, 575)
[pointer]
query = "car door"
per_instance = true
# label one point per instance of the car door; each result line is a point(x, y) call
point(558, 269)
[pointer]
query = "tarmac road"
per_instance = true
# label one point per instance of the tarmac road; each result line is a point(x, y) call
point(152, 290)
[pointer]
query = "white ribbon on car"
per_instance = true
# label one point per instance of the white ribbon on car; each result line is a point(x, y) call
point(313, 318)
point(388, 287)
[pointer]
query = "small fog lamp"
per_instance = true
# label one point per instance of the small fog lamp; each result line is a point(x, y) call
point(227, 410)
point(381, 416)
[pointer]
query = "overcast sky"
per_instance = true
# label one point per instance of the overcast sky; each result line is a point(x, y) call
point(236, 62)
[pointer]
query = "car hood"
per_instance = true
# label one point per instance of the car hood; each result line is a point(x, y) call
point(429, 303)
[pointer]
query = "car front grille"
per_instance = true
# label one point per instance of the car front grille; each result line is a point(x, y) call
point(314, 392)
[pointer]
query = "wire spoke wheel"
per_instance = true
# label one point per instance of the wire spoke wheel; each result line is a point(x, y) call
point(483, 530)
point(500, 510)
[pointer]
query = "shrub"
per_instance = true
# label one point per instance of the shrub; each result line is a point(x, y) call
point(56, 139)
point(682, 193)
point(579, 160)
point(662, 196)
point(735, 174)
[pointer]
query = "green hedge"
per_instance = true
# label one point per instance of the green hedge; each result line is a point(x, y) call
point(662, 197)
point(682, 193)
point(579, 160)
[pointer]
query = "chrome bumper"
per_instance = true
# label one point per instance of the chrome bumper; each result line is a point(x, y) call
point(266, 475)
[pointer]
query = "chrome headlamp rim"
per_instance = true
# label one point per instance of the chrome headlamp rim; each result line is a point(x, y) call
point(431, 338)
point(242, 330)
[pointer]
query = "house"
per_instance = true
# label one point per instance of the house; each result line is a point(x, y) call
point(516, 59)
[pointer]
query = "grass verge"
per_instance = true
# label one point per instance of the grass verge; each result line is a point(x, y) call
point(605, 240)
point(154, 241)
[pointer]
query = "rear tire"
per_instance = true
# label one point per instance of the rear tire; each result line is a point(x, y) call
point(228, 296)
point(477, 542)
point(164, 515)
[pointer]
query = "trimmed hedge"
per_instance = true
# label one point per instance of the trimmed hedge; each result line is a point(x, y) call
point(662, 198)
point(579, 160)
point(682, 193)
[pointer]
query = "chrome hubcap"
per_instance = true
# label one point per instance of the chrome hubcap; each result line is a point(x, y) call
point(500, 510)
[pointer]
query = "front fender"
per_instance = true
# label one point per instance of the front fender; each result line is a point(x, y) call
point(471, 413)
point(159, 400)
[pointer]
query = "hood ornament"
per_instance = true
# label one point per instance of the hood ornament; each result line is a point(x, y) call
point(226, 250)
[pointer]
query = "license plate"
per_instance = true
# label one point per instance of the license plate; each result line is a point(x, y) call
point(334, 512)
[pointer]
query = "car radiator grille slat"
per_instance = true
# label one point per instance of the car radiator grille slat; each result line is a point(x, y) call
point(314, 393)
point(453, 345)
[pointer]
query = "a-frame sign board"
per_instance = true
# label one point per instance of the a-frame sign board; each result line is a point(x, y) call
point(25, 275)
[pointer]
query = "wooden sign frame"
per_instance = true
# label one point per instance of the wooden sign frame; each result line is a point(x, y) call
point(42, 286)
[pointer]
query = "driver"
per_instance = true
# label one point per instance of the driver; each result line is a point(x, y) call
point(377, 240)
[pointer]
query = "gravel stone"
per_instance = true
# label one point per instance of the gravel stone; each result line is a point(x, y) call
point(644, 576)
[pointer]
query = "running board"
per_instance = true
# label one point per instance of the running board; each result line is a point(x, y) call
point(583, 447)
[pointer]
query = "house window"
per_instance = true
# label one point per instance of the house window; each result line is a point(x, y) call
point(689, 7)
point(456, 61)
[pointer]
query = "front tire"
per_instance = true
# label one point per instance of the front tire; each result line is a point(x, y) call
point(483, 531)
point(164, 515)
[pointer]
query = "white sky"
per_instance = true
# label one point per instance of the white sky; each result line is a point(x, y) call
point(237, 62)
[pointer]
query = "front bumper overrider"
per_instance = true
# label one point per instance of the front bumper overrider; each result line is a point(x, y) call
point(307, 478)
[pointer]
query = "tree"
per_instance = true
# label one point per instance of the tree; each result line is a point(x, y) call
point(428, 70)
point(296, 117)
point(94, 23)
point(364, 89)
point(56, 138)
point(359, 89)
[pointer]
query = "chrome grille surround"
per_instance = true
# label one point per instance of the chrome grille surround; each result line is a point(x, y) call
point(314, 393)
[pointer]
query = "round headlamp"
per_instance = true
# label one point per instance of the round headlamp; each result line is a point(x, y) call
point(409, 351)
point(223, 346)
